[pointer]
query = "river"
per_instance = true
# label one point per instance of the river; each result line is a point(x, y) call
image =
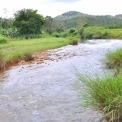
point(47, 92)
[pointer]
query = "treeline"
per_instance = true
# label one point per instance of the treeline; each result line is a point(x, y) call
point(93, 21)
point(28, 23)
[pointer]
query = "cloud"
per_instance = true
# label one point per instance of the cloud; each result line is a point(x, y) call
point(64, 1)
point(57, 7)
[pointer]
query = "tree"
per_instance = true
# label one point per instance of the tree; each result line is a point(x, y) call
point(49, 26)
point(27, 21)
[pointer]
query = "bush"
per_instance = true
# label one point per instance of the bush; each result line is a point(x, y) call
point(3, 39)
point(103, 94)
point(72, 30)
point(55, 34)
point(3, 31)
point(10, 32)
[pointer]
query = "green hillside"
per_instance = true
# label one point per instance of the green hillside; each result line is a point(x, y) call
point(73, 19)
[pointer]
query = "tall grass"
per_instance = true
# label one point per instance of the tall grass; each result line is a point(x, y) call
point(114, 60)
point(103, 94)
point(96, 32)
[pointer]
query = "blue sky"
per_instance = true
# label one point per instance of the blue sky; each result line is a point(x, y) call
point(57, 7)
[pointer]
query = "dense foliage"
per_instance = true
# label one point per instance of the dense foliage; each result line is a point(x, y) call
point(27, 21)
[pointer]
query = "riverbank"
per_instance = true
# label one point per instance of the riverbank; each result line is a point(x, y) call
point(21, 51)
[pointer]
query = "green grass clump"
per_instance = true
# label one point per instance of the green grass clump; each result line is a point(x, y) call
point(103, 94)
point(28, 56)
point(114, 59)
point(94, 33)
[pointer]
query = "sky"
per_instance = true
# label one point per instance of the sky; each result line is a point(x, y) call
point(57, 7)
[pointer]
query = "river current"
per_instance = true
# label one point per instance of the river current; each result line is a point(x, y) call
point(48, 92)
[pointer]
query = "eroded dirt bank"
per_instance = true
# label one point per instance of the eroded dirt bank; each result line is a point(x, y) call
point(47, 92)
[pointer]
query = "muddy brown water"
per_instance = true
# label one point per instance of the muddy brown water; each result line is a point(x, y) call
point(48, 92)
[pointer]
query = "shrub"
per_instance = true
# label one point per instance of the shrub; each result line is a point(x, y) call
point(103, 94)
point(12, 32)
point(72, 30)
point(3, 39)
point(64, 34)
point(3, 31)
point(55, 34)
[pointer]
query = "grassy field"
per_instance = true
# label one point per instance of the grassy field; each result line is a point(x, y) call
point(17, 49)
point(101, 33)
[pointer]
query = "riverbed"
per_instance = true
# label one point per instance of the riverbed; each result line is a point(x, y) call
point(47, 92)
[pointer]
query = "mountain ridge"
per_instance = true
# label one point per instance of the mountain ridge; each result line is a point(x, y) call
point(73, 14)
point(75, 19)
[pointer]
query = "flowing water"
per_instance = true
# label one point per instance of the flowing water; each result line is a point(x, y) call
point(48, 92)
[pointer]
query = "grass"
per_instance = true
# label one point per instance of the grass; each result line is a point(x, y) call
point(101, 33)
point(114, 60)
point(19, 49)
point(103, 94)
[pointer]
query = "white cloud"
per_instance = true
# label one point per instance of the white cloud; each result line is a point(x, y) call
point(65, 1)
point(57, 7)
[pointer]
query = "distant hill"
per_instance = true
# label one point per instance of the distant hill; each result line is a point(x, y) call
point(74, 19)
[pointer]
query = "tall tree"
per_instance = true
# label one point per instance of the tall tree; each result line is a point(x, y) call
point(28, 21)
